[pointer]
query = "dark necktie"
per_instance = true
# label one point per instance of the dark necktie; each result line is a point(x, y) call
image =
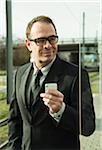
point(37, 79)
point(36, 86)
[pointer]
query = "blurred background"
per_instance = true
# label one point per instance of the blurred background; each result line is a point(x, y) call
point(79, 27)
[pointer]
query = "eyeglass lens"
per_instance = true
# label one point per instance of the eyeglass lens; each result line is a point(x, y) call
point(41, 41)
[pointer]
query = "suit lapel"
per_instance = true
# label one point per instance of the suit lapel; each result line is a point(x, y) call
point(55, 72)
point(24, 81)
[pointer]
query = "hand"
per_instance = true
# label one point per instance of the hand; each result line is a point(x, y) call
point(53, 99)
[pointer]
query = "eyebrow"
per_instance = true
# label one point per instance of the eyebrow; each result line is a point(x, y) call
point(43, 37)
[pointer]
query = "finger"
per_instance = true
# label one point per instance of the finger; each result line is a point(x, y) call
point(42, 95)
point(54, 106)
point(47, 95)
point(55, 92)
point(51, 103)
point(46, 101)
point(52, 92)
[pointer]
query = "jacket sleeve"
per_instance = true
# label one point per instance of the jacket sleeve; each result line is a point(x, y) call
point(79, 115)
point(87, 107)
point(14, 123)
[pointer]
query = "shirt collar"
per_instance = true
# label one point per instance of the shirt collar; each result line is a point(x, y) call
point(45, 69)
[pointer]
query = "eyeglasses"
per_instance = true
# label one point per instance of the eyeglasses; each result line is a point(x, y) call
point(53, 39)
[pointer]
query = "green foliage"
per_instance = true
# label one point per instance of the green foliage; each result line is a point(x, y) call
point(2, 72)
point(4, 109)
point(94, 81)
point(95, 88)
point(2, 96)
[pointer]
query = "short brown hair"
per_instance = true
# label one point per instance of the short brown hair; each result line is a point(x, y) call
point(38, 19)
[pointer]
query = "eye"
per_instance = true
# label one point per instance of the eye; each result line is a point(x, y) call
point(53, 39)
point(40, 40)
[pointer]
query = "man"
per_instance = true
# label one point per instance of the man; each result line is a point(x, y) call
point(48, 119)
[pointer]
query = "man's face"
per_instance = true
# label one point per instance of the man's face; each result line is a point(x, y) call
point(42, 53)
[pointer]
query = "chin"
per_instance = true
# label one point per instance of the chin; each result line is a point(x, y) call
point(46, 60)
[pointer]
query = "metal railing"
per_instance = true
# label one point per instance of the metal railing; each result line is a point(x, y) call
point(4, 145)
point(3, 122)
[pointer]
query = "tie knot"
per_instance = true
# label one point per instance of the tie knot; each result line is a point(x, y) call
point(39, 74)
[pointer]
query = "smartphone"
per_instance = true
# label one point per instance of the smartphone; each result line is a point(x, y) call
point(50, 86)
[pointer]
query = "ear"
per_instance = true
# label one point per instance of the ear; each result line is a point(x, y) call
point(28, 44)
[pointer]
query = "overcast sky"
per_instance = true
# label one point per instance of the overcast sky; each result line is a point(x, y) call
point(67, 15)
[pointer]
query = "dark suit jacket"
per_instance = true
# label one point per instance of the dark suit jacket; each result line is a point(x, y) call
point(32, 127)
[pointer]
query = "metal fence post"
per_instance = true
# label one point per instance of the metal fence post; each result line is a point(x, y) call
point(9, 51)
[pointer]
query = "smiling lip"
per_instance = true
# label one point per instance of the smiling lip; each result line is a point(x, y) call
point(47, 54)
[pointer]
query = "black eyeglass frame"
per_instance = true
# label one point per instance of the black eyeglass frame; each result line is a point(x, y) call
point(44, 39)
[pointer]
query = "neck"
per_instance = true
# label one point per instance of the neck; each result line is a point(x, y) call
point(41, 64)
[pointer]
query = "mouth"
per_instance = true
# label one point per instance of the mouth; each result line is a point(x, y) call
point(47, 53)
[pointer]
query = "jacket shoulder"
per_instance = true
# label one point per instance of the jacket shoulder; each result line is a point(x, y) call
point(68, 67)
point(23, 68)
point(72, 67)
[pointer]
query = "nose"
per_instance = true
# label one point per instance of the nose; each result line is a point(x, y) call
point(47, 44)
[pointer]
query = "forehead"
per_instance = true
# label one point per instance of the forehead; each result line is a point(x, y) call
point(41, 29)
